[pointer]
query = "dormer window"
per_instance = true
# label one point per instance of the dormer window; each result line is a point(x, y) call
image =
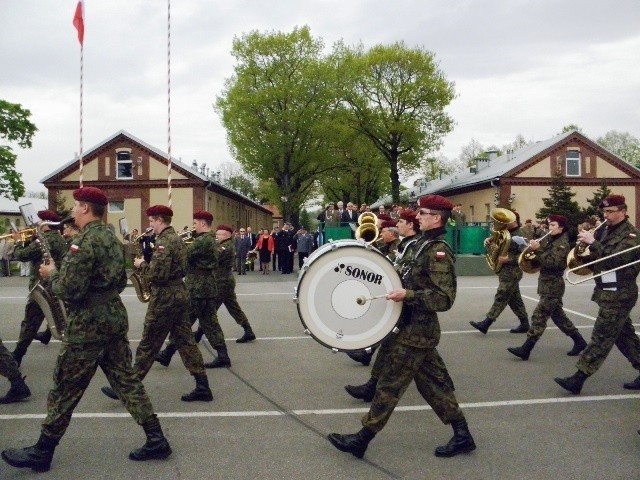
point(573, 163)
point(124, 166)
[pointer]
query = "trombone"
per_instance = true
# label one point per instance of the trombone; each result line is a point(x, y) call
point(591, 277)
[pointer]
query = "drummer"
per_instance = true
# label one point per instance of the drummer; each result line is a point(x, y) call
point(429, 287)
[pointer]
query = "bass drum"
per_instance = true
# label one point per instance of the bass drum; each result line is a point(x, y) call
point(332, 287)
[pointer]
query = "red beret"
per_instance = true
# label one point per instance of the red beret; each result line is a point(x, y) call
point(612, 201)
point(159, 210)
point(91, 195)
point(225, 227)
point(48, 216)
point(410, 217)
point(435, 202)
point(561, 219)
point(388, 224)
point(203, 215)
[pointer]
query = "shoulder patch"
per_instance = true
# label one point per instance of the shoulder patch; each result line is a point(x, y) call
point(440, 255)
point(161, 248)
point(632, 235)
point(74, 248)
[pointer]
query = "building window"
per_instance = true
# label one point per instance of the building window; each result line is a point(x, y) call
point(487, 208)
point(116, 206)
point(124, 166)
point(573, 163)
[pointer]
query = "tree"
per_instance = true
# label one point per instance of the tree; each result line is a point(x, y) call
point(622, 144)
point(570, 128)
point(559, 203)
point(397, 96)
point(241, 184)
point(61, 206)
point(470, 152)
point(276, 109)
point(14, 127)
point(593, 208)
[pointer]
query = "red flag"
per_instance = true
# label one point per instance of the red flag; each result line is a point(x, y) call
point(78, 21)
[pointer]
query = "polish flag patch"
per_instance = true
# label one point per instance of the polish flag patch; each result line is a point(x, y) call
point(632, 235)
point(440, 255)
point(161, 248)
point(74, 248)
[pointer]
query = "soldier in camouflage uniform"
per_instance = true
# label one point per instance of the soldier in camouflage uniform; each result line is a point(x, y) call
point(552, 260)
point(90, 281)
point(408, 227)
point(508, 292)
point(615, 293)
point(430, 288)
point(168, 310)
point(32, 252)
point(9, 369)
point(202, 259)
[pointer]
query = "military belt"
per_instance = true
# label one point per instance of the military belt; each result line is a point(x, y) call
point(95, 298)
point(201, 272)
point(172, 282)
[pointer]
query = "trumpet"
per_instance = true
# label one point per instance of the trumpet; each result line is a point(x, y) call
point(575, 270)
point(25, 234)
point(574, 260)
point(527, 259)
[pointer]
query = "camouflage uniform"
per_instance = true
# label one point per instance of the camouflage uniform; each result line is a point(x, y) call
point(33, 316)
point(168, 310)
point(508, 292)
point(552, 258)
point(8, 366)
point(202, 258)
point(90, 281)
point(615, 296)
point(431, 288)
point(389, 250)
point(227, 284)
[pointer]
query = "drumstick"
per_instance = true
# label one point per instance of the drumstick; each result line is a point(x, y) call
point(361, 300)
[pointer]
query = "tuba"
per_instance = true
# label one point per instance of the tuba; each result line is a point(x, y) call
point(527, 260)
point(52, 307)
point(367, 229)
point(497, 245)
point(140, 284)
point(575, 259)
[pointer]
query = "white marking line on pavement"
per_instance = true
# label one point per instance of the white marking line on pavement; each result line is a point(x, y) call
point(338, 411)
point(564, 308)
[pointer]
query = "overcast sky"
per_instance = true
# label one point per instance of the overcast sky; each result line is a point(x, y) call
point(520, 67)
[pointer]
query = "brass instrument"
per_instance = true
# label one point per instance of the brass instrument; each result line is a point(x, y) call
point(367, 230)
point(575, 260)
point(188, 236)
point(527, 260)
point(588, 265)
point(25, 234)
point(140, 284)
point(497, 245)
point(52, 307)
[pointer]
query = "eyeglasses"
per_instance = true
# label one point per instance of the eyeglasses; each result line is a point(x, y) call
point(241, 231)
point(424, 212)
point(611, 210)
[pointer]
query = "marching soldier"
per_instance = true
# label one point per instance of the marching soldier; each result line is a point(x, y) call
point(615, 293)
point(32, 252)
point(9, 369)
point(508, 292)
point(430, 287)
point(168, 310)
point(90, 281)
point(552, 258)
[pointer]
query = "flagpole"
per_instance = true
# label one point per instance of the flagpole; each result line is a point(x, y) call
point(81, 92)
point(169, 101)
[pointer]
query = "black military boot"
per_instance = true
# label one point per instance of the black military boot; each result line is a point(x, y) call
point(156, 446)
point(525, 350)
point(198, 334)
point(522, 328)
point(17, 392)
point(109, 392)
point(355, 444)
point(635, 385)
point(483, 326)
point(574, 383)
point(461, 442)
point(363, 392)
point(37, 457)
point(164, 356)
point(578, 345)
point(223, 360)
point(202, 392)
point(248, 336)
point(44, 337)
point(362, 356)
point(18, 353)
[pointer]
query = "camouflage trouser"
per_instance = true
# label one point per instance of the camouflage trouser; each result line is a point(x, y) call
point(8, 366)
point(33, 318)
point(549, 306)
point(382, 356)
point(227, 296)
point(426, 367)
point(168, 313)
point(75, 367)
point(508, 293)
point(204, 310)
point(613, 326)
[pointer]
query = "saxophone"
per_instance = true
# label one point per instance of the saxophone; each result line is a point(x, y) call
point(53, 308)
point(142, 287)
